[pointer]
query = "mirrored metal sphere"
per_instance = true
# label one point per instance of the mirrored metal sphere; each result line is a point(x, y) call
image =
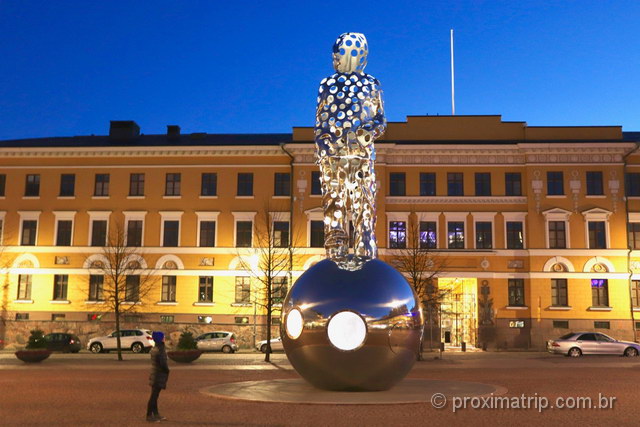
point(360, 329)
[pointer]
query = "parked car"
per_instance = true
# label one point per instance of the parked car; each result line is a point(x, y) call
point(136, 340)
point(66, 343)
point(575, 344)
point(276, 345)
point(217, 341)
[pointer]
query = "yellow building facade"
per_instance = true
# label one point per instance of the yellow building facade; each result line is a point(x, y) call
point(532, 229)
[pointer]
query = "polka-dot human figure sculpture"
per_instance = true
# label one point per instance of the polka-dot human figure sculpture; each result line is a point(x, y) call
point(349, 118)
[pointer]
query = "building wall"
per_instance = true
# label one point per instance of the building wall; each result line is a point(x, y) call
point(422, 144)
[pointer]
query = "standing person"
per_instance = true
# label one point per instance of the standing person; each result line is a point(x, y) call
point(158, 377)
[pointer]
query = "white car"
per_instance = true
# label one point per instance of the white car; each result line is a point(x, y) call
point(218, 341)
point(276, 345)
point(136, 340)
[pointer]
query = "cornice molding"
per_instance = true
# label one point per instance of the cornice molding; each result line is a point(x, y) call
point(464, 200)
point(141, 151)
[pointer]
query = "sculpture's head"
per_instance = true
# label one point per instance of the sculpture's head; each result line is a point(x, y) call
point(350, 53)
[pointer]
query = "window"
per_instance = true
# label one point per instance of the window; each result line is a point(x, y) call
point(316, 188)
point(455, 185)
point(56, 317)
point(96, 285)
point(209, 185)
point(397, 234)
point(559, 293)
point(516, 292)
point(166, 318)
point(515, 235)
point(29, 231)
point(513, 184)
point(98, 232)
point(597, 236)
point(483, 184)
point(602, 325)
point(632, 184)
point(317, 234)
point(134, 232)
point(484, 238)
point(455, 235)
point(555, 184)
point(243, 234)
point(282, 184)
point(3, 183)
point(280, 287)
point(561, 324)
point(205, 289)
point(101, 188)
point(22, 316)
point(24, 286)
point(243, 290)
point(32, 187)
point(397, 184)
point(172, 184)
point(427, 184)
point(67, 184)
point(63, 236)
point(168, 288)
point(207, 234)
point(428, 235)
point(245, 184)
point(171, 233)
point(633, 234)
point(594, 184)
point(242, 320)
point(635, 293)
point(280, 234)
point(132, 288)
point(60, 284)
point(557, 236)
point(599, 292)
point(136, 184)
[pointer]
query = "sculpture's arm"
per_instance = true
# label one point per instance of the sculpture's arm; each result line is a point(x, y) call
point(379, 120)
point(322, 101)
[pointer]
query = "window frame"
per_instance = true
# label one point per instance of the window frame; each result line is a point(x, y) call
point(555, 183)
point(245, 183)
point(32, 189)
point(282, 184)
point(510, 185)
point(136, 184)
point(428, 181)
point(169, 288)
point(101, 185)
point(558, 285)
point(482, 181)
point(208, 286)
point(397, 184)
point(64, 185)
point(516, 284)
point(594, 183)
point(454, 184)
point(173, 184)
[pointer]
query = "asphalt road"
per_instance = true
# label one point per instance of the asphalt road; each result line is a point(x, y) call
point(88, 389)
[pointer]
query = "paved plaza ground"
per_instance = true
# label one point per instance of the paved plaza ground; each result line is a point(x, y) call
point(89, 390)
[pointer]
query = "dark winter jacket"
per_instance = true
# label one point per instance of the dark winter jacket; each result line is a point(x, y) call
point(159, 367)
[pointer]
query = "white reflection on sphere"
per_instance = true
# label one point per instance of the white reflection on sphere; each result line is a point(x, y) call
point(294, 323)
point(346, 330)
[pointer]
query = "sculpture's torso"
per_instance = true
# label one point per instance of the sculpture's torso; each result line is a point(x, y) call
point(349, 116)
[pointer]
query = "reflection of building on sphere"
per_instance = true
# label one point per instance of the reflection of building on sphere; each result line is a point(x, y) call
point(349, 117)
point(352, 330)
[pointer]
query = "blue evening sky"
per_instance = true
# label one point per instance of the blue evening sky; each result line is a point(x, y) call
point(68, 67)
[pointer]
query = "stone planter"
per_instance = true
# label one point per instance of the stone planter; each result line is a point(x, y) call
point(32, 356)
point(184, 356)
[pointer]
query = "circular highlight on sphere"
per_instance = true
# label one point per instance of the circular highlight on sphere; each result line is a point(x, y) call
point(294, 324)
point(347, 330)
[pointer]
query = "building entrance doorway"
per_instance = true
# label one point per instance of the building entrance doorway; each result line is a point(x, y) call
point(458, 311)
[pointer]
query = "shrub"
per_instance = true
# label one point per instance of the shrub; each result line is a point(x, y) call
point(36, 340)
point(187, 342)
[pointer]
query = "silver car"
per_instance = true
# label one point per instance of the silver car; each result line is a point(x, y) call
point(276, 345)
point(136, 340)
point(218, 341)
point(575, 344)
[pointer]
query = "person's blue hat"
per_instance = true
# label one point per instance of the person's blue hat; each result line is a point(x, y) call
point(157, 336)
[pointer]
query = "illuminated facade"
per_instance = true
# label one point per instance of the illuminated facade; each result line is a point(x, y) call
point(538, 236)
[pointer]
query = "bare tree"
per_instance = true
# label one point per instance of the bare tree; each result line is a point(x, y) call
point(417, 261)
point(121, 280)
point(271, 266)
point(5, 264)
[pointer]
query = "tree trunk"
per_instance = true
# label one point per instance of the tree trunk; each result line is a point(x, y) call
point(117, 310)
point(267, 353)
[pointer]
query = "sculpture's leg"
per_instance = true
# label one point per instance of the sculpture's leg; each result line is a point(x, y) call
point(365, 215)
point(334, 202)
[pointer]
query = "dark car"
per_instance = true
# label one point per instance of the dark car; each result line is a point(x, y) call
point(66, 343)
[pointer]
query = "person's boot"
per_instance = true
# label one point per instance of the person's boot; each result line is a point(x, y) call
point(152, 419)
point(160, 417)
